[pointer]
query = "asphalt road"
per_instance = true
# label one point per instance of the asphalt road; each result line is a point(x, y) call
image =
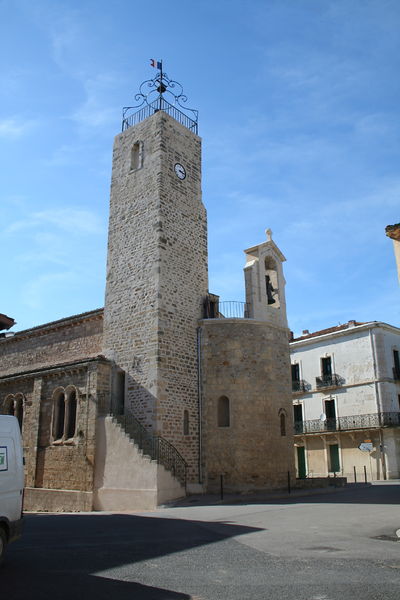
point(339, 546)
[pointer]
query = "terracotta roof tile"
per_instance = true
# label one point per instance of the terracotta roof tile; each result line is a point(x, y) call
point(328, 330)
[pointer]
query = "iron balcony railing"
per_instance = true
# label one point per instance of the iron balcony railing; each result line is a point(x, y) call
point(230, 309)
point(156, 447)
point(298, 385)
point(155, 106)
point(331, 380)
point(374, 420)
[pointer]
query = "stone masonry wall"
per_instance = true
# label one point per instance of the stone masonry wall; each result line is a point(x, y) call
point(183, 286)
point(66, 340)
point(50, 464)
point(157, 277)
point(248, 362)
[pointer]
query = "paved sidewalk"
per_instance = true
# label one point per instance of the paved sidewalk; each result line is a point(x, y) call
point(256, 497)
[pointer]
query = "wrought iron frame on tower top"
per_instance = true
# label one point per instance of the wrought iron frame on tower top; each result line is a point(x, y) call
point(151, 99)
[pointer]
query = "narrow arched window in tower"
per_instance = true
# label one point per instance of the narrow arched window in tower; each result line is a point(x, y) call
point(224, 418)
point(185, 422)
point(282, 418)
point(58, 415)
point(70, 407)
point(271, 282)
point(137, 156)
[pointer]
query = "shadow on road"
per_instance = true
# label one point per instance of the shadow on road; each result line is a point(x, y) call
point(63, 556)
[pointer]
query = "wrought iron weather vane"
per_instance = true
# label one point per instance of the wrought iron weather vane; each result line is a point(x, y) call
point(160, 93)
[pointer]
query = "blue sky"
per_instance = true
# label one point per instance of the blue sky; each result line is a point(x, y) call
point(299, 115)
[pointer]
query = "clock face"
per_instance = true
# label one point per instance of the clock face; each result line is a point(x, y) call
point(180, 171)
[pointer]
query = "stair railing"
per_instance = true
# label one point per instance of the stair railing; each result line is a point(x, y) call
point(154, 446)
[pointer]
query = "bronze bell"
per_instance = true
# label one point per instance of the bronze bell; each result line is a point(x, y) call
point(161, 88)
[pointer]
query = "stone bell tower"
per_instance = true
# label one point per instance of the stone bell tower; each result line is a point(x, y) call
point(265, 283)
point(247, 400)
point(157, 264)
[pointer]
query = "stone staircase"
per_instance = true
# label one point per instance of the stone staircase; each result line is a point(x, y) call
point(133, 469)
point(153, 446)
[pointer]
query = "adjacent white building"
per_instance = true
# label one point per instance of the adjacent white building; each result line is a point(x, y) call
point(346, 401)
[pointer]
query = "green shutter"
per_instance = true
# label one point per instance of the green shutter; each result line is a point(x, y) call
point(334, 458)
point(301, 462)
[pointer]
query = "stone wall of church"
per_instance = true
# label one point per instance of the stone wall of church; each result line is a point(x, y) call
point(246, 362)
point(60, 342)
point(59, 464)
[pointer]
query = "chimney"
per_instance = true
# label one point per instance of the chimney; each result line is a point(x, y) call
point(351, 324)
point(305, 332)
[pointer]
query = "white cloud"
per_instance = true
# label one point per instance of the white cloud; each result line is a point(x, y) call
point(40, 258)
point(95, 112)
point(66, 36)
point(15, 127)
point(37, 292)
point(67, 219)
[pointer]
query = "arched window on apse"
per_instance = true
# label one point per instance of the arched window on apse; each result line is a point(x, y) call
point(271, 282)
point(224, 419)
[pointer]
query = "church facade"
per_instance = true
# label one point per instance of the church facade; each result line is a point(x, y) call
point(166, 390)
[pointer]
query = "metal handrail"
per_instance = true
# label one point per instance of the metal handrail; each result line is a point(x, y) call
point(154, 446)
point(159, 104)
point(298, 385)
point(374, 420)
point(327, 380)
point(228, 309)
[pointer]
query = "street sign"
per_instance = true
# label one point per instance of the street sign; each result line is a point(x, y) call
point(366, 447)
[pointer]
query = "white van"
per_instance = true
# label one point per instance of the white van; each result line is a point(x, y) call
point(11, 481)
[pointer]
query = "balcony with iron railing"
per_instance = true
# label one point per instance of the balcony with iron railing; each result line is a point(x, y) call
point(349, 423)
point(326, 381)
point(155, 106)
point(229, 309)
point(152, 98)
point(298, 386)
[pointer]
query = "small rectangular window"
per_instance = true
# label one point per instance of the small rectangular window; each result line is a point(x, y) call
point(137, 156)
point(298, 413)
point(296, 372)
point(185, 422)
point(326, 366)
point(223, 416)
point(396, 361)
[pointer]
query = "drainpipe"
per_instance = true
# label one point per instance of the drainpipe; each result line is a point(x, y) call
point(199, 395)
point(378, 402)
